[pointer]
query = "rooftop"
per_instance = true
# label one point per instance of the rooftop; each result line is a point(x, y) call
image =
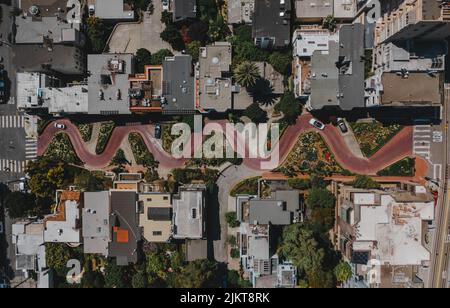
point(184, 9)
point(269, 211)
point(155, 216)
point(113, 9)
point(417, 89)
point(49, 22)
point(215, 85)
point(96, 226)
point(272, 20)
point(240, 11)
point(64, 225)
point(188, 213)
point(108, 83)
point(125, 227)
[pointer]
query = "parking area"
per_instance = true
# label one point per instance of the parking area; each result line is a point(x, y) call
point(129, 37)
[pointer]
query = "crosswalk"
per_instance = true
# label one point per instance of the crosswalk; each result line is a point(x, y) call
point(12, 166)
point(422, 141)
point(12, 121)
point(30, 148)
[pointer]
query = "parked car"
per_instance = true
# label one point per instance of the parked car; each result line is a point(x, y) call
point(342, 126)
point(2, 86)
point(165, 4)
point(91, 10)
point(317, 124)
point(60, 126)
point(158, 131)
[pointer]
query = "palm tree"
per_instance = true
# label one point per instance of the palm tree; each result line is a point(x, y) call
point(246, 73)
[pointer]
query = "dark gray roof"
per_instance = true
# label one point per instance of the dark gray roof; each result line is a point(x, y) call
point(179, 85)
point(267, 21)
point(274, 212)
point(290, 197)
point(351, 80)
point(124, 216)
point(159, 213)
point(184, 9)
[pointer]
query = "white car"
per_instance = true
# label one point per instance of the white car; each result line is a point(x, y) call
point(165, 4)
point(317, 124)
point(60, 126)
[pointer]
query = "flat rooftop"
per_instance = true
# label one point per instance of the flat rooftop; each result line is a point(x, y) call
point(96, 226)
point(113, 9)
point(108, 83)
point(156, 216)
point(188, 214)
point(418, 89)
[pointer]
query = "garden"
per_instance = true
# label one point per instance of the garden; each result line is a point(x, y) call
point(104, 135)
point(404, 167)
point(311, 155)
point(61, 149)
point(373, 136)
point(246, 187)
point(140, 151)
point(85, 131)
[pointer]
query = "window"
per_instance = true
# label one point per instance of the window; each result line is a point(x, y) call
point(165, 198)
point(157, 233)
point(194, 213)
point(149, 199)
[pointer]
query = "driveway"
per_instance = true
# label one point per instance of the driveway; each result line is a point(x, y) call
point(129, 37)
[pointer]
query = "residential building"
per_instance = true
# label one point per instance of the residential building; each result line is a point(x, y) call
point(240, 11)
point(60, 59)
point(49, 22)
point(329, 68)
point(420, 20)
point(314, 11)
point(65, 225)
point(111, 10)
point(96, 223)
point(275, 79)
point(124, 221)
point(184, 10)
point(272, 23)
point(40, 92)
point(155, 216)
point(259, 219)
point(189, 212)
point(108, 83)
point(385, 229)
point(214, 78)
point(29, 247)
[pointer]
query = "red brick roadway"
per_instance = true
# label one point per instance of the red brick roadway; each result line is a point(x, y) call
point(396, 149)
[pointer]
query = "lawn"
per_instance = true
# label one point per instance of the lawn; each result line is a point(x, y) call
point(104, 135)
point(311, 155)
point(404, 167)
point(373, 136)
point(61, 149)
point(246, 187)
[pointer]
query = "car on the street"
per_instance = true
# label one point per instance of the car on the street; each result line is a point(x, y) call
point(165, 5)
point(91, 10)
point(158, 131)
point(3, 97)
point(60, 126)
point(342, 126)
point(317, 124)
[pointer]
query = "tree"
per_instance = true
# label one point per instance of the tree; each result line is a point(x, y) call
point(143, 58)
point(290, 107)
point(117, 276)
point(329, 23)
point(199, 274)
point(193, 48)
point(140, 4)
point(57, 255)
point(92, 280)
point(88, 181)
point(320, 198)
point(20, 204)
point(218, 29)
point(139, 280)
point(246, 73)
point(173, 36)
point(46, 176)
point(166, 17)
point(159, 56)
point(198, 31)
point(300, 184)
point(255, 113)
point(119, 159)
point(300, 246)
point(208, 10)
point(281, 62)
point(343, 272)
point(365, 182)
point(318, 181)
point(243, 33)
point(231, 219)
point(247, 51)
point(96, 33)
